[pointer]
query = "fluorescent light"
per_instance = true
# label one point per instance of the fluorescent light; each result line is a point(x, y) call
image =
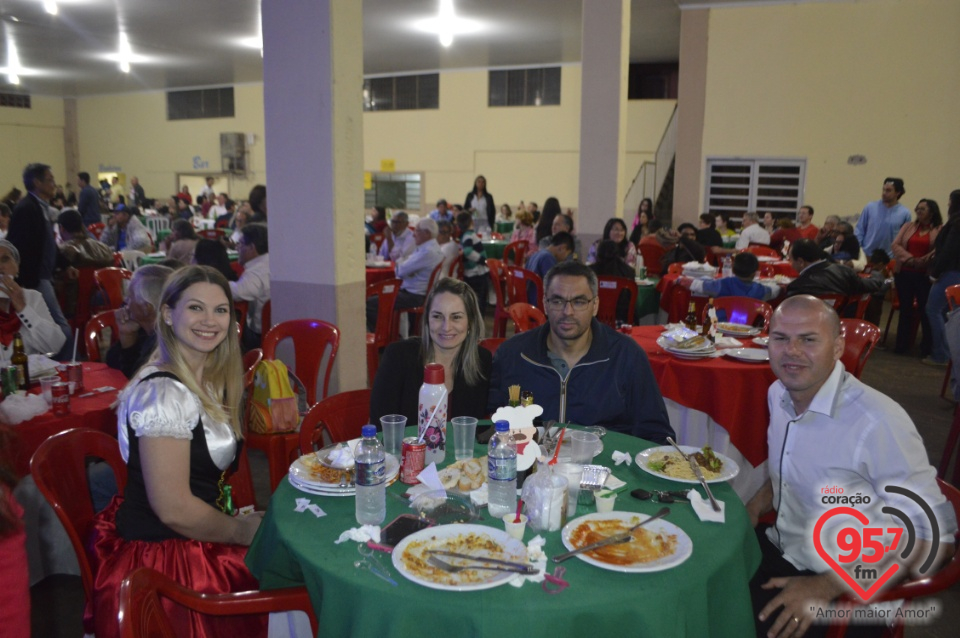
point(446, 24)
point(13, 62)
point(50, 6)
point(124, 53)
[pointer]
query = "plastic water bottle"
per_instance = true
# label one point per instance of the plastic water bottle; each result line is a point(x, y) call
point(433, 401)
point(371, 486)
point(502, 465)
point(640, 270)
point(727, 266)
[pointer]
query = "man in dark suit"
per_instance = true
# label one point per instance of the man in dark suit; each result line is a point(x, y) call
point(30, 231)
point(820, 276)
point(89, 201)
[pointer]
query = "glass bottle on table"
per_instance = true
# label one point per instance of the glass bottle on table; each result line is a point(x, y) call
point(20, 359)
point(710, 321)
point(690, 321)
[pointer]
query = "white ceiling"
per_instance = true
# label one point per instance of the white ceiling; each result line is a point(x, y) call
point(190, 43)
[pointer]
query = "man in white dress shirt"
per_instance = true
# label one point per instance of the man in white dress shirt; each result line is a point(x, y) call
point(830, 434)
point(752, 232)
point(254, 284)
point(398, 238)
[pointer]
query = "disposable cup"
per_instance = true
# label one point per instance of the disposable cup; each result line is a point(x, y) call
point(584, 446)
point(46, 387)
point(515, 529)
point(572, 472)
point(464, 436)
point(393, 426)
point(606, 503)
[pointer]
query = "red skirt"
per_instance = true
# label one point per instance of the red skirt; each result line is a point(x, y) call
point(202, 566)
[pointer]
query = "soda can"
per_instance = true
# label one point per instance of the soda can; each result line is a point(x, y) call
point(75, 375)
point(412, 456)
point(61, 399)
point(10, 376)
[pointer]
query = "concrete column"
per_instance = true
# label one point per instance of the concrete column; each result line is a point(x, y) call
point(691, 108)
point(603, 114)
point(312, 83)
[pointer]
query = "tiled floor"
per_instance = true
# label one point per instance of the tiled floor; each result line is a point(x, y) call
point(58, 601)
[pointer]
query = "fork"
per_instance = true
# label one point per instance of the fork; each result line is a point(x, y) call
point(453, 569)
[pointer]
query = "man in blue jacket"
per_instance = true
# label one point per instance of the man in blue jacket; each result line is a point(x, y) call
point(579, 370)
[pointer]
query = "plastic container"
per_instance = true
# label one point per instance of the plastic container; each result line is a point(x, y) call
point(727, 267)
point(371, 486)
point(502, 475)
point(545, 497)
point(433, 401)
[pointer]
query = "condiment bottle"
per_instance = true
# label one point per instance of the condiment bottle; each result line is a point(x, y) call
point(20, 360)
point(433, 401)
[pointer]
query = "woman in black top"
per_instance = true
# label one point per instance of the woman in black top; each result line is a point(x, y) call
point(452, 329)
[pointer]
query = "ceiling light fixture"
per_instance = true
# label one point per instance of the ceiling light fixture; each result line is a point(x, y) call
point(50, 6)
point(446, 24)
point(124, 54)
point(13, 62)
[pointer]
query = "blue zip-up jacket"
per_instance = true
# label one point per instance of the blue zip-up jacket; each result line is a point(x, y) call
point(612, 385)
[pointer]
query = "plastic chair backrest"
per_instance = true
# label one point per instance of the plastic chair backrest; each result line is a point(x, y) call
point(241, 309)
point(861, 337)
point(110, 281)
point(456, 268)
point(742, 310)
point(517, 284)
point(142, 615)
point(386, 292)
point(762, 251)
point(94, 330)
point(862, 302)
point(514, 253)
point(86, 285)
point(836, 300)
point(210, 233)
point(265, 318)
point(525, 317)
point(310, 339)
point(495, 266)
point(96, 229)
point(250, 360)
point(953, 296)
point(59, 469)
point(340, 416)
point(652, 254)
point(674, 269)
point(492, 343)
point(609, 290)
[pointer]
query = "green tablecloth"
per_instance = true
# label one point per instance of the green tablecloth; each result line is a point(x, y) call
point(648, 300)
point(705, 596)
point(504, 228)
point(156, 258)
point(494, 247)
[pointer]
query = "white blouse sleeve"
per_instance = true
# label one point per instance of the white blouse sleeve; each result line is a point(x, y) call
point(162, 407)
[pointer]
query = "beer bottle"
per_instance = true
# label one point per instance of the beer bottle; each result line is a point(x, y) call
point(690, 321)
point(20, 360)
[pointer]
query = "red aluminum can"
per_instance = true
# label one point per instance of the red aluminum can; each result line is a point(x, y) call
point(61, 399)
point(75, 375)
point(412, 455)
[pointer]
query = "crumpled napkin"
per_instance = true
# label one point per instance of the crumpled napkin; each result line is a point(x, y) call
point(360, 534)
point(613, 483)
point(18, 408)
point(537, 558)
point(704, 510)
point(304, 504)
point(727, 342)
point(621, 457)
point(429, 482)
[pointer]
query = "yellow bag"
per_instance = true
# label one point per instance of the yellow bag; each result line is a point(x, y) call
point(273, 408)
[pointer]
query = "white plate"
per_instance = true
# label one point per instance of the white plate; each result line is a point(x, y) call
point(514, 550)
point(305, 477)
point(682, 551)
point(670, 345)
point(730, 468)
point(751, 355)
point(321, 491)
point(692, 356)
point(761, 341)
point(767, 259)
point(737, 329)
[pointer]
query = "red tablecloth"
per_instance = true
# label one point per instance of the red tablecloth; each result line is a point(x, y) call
point(732, 392)
point(784, 268)
point(379, 274)
point(90, 412)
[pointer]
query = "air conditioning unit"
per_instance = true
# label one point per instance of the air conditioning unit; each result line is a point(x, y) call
point(233, 152)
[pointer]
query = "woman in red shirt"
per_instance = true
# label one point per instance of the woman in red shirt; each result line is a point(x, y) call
point(912, 249)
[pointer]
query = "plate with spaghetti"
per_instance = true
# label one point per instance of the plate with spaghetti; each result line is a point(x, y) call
point(666, 462)
point(655, 547)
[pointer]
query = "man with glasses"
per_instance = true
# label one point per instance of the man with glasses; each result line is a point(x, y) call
point(254, 284)
point(579, 370)
point(399, 240)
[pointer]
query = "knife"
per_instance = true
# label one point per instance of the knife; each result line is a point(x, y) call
point(523, 567)
point(617, 538)
point(703, 482)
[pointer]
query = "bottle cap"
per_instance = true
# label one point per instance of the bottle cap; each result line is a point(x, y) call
point(502, 426)
point(368, 430)
point(433, 374)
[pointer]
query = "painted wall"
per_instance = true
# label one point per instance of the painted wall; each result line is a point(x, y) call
point(31, 135)
point(826, 81)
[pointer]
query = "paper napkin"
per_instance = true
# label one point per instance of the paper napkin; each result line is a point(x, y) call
point(704, 509)
point(622, 457)
point(537, 558)
point(360, 534)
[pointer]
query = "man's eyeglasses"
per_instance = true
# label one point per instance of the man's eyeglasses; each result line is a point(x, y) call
point(577, 303)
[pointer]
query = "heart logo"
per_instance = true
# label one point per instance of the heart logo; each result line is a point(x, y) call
point(864, 594)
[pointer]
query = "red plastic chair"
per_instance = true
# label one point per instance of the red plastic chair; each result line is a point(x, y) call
point(743, 310)
point(416, 313)
point(838, 302)
point(652, 254)
point(59, 469)
point(492, 343)
point(377, 240)
point(500, 314)
point(86, 286)
point(674, 268)
point(861, 338)
point(265, 318)
point(96, 229)
point(250, 360)
point(110, 281)
point(310, 340)
point(525, 317)
point(118, 259)
point(514, 253)
point(947, 577)
point(517, 280)
point(456, 268)
point(94, 331)
point(762, 251)
point(609, 289)
point(861, 301)
point(142, 615)
point(386, 292)
point(211, 233)
point(241, 309)
point(341, 417)
point(953, 437)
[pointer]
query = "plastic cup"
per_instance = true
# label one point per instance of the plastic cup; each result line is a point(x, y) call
point(464, 436)
point(606, 503)
point(584, 446)
point(46, 387)
point(515, 529)
point(572, 472)
point(393, 426)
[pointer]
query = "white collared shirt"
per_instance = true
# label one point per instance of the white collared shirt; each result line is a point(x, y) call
point(755, 233)
point(416, 269)
point(854, 438)
point(403, 246)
